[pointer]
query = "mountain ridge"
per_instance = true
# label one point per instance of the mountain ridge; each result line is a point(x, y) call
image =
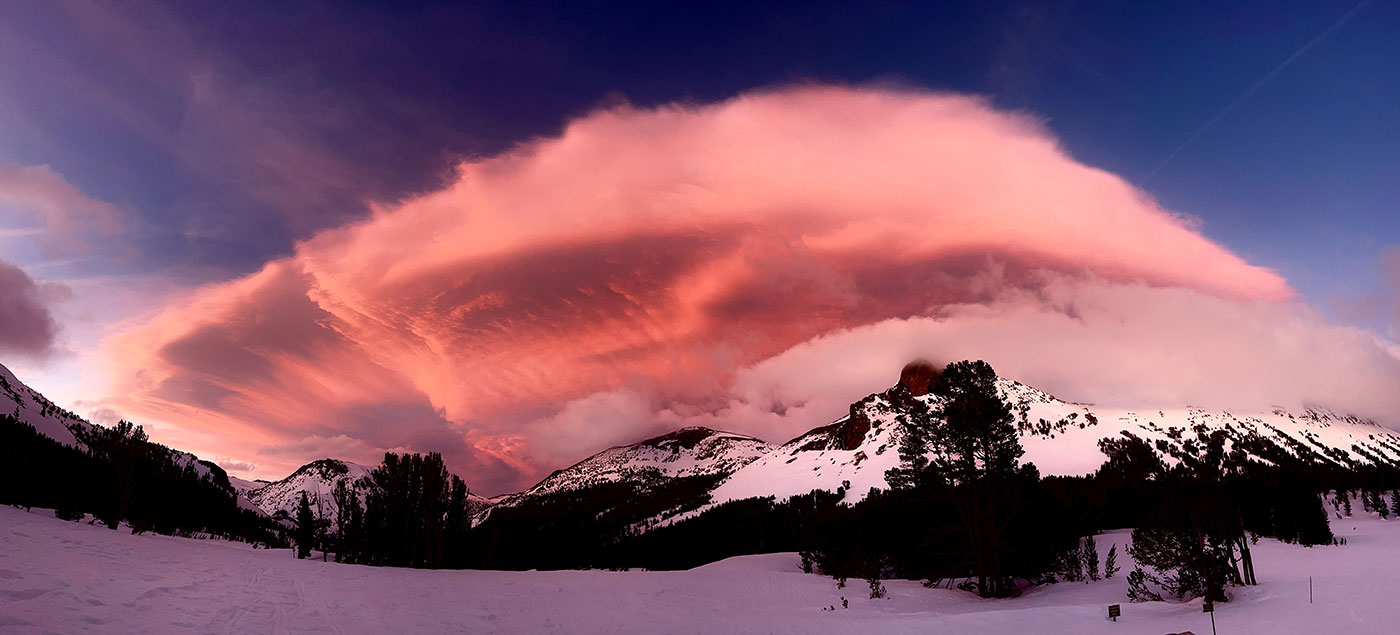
point(849, 455)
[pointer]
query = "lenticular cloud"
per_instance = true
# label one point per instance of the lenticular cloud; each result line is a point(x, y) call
point(640, 259)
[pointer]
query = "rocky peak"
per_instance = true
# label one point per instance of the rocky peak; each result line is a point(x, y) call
point(918, 377)
point(324, 468)
point(686, 438)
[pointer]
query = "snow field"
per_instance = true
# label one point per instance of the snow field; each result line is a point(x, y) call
point(66, 577)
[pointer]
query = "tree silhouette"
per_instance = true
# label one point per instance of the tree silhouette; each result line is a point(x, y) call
point(306, 527)
point(976, 448)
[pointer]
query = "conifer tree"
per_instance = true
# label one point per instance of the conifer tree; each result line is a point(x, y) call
point(406, 509)
point(1089, 556)
point(976, 448)
point(458, 523)
point(913, 446)
point(1071, 565)
point(306, 527)
point(347, 527)
point(322, 526)
point(127, 447)
point(1395, 503)
point(1110, 564)
point(1138, 590)
point(1188, 560)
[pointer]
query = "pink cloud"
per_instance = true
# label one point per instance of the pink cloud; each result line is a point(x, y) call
point(34, 198)
point(1126, 345)
point(611, 280)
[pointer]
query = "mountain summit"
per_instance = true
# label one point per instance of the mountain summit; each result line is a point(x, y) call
point(688, 452)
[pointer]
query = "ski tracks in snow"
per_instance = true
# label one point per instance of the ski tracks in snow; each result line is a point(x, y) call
point(279, 604)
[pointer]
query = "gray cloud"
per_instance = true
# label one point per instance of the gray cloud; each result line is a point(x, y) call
point(26, 326)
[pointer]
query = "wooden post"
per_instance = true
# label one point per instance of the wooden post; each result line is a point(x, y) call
point(1310, 590)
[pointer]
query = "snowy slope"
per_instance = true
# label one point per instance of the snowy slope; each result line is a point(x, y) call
point(77, 578)
point(27, 405)
point(686, 452)
point(246, 487)
point(318, 479)
point(1060, 438)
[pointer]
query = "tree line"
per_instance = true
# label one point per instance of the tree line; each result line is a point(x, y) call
point(413, 513)
point(119, 475)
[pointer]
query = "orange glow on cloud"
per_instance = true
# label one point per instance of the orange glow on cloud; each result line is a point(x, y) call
point(637, 264)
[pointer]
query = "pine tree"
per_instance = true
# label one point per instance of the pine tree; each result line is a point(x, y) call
point(1070, 565)
point(1089, 556)
point(1182, 561)
point(1137, 587)
point(977, 449)
point(322, 525)
point(128, 449)
point(1313, 527)
point(1395, 503)
point(457, 523)
point(913, 446)
point(877, 589)
point(406, 509)
point(347, 530)
point(1110, 564)
point(1346, 502)
point(306, 527)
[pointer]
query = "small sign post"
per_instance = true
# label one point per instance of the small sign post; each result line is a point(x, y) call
point(1114, 612)
point(1209, 607)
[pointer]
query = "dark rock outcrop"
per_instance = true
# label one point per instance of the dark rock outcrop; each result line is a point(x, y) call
point(918, 376)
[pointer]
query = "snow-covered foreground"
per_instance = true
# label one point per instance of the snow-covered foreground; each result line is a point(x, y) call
point(66, 577)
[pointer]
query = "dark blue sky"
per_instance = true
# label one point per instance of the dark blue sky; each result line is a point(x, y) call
point(232, 129)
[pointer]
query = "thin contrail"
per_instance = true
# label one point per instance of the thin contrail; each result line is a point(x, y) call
point(1257, 85)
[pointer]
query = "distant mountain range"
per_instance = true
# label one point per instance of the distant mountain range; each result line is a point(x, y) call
point(852, 454)
point(849, 455)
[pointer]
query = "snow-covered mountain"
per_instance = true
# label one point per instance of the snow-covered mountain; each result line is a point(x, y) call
point(59, 424)
point(27, 405)
point(318, 479)
point(686, 452)
point(853, 453)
